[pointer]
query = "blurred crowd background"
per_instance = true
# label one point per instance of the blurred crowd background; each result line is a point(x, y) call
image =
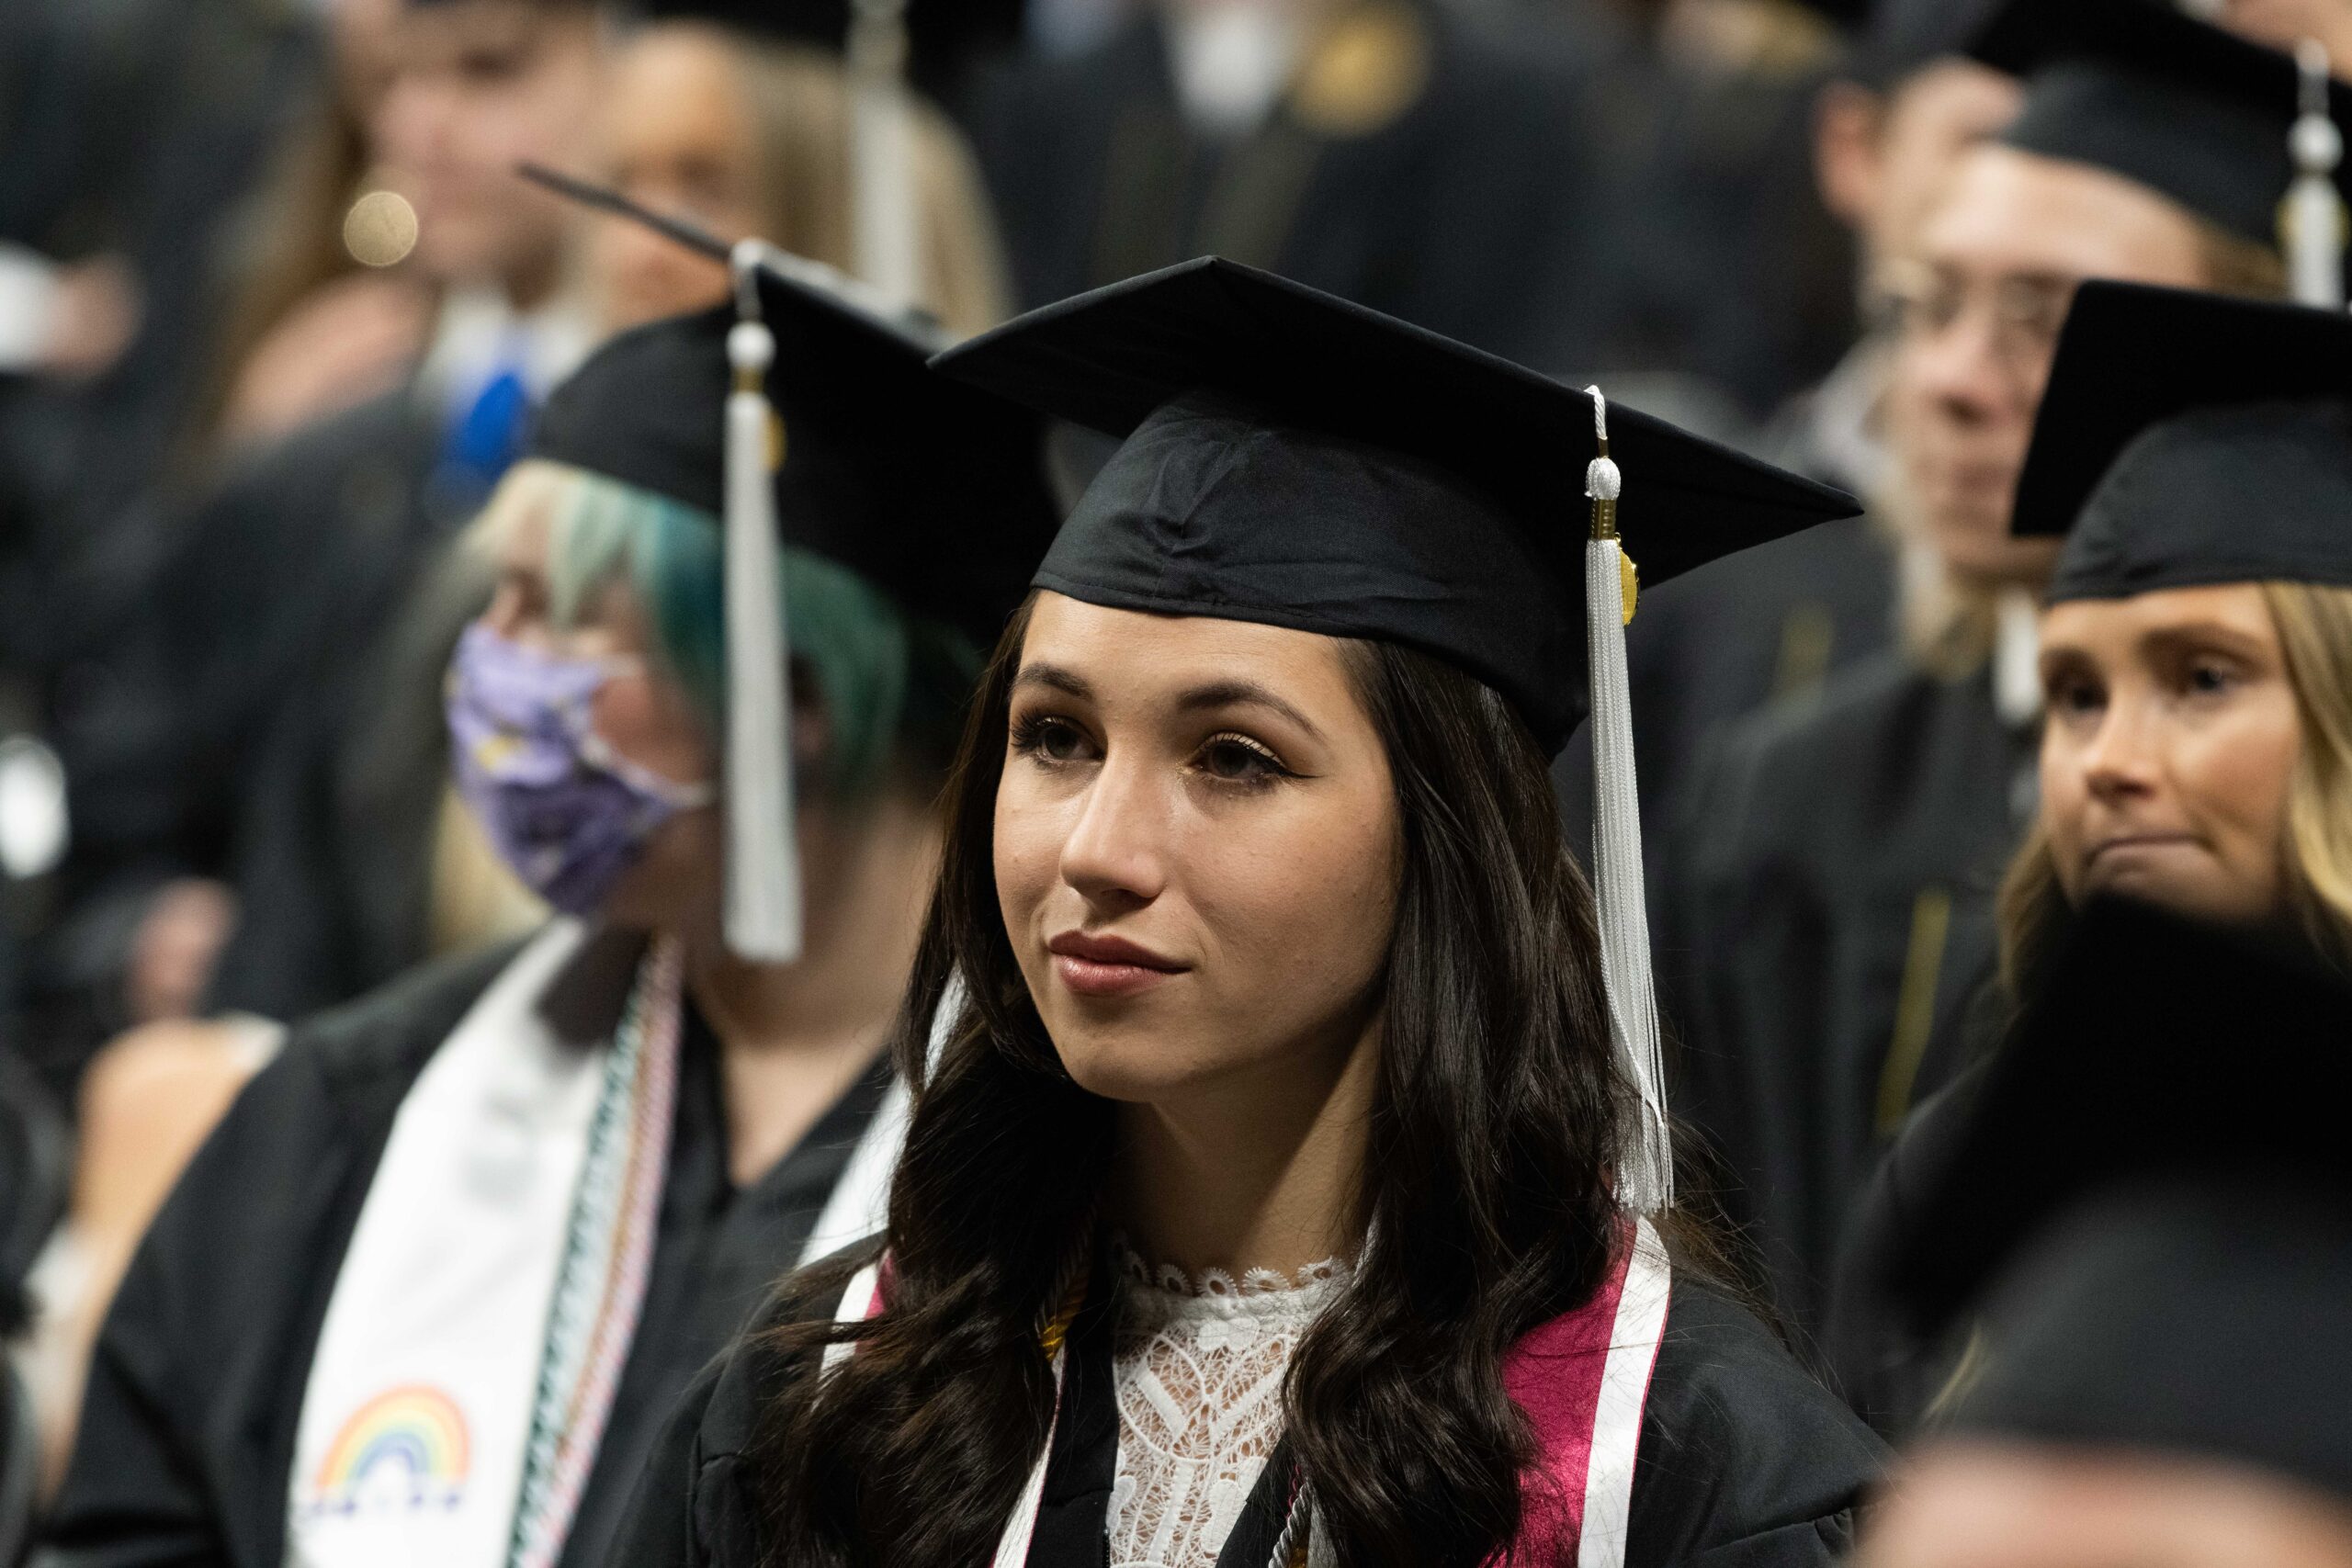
point(275, 311)
point(278, 310)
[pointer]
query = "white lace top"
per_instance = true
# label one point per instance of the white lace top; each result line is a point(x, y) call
point(1198, 1368)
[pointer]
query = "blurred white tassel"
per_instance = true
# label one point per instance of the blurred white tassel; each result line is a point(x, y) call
point(762, 892)
point(1645, 1173)
point(2313, 224)
point(887, 225)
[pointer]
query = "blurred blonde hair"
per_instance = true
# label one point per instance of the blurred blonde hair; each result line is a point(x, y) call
point(799, 102)
point(2314, 626)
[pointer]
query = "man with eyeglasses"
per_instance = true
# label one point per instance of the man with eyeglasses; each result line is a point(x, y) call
point(1833, 892)
point(1716, 645)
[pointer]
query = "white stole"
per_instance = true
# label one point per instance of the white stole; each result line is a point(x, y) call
point(418, 1410)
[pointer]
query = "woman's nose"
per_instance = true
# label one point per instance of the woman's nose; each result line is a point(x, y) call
point(2120, 760)
point(1116, 854)
point(506, 613)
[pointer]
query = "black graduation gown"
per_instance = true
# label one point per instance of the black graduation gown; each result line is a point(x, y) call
point(140, 129)
point(1891, 1373)
point(284, 572)
point(188, 1427)
point(145, 129)
point(1744, 1459)
point(334, 857)
point(1697, 166)
point(281, 583)
point(1459, 214)
point(1832, 899)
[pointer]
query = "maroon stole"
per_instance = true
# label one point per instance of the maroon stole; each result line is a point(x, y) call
point(1582, 1378)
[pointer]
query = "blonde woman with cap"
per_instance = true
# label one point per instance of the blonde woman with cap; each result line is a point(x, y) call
point(2193, 461)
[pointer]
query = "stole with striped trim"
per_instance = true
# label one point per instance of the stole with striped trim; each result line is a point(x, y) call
point(1583, 1378)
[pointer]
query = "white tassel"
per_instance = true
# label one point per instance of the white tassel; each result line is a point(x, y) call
point(887, 226)
point(1645, 1169)
point(762, 892)
point(2313, 221)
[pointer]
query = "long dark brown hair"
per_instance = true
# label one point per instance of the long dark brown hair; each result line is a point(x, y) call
point(1485, 1187)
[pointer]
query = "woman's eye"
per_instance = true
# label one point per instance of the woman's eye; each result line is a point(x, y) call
point(2073, 696)
point(1052, 741)
point(2207, 678)
point(1237, 759)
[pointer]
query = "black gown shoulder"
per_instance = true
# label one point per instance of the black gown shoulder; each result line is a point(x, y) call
point(1745, 1459)
point(188, 1420)
point(697, 1501)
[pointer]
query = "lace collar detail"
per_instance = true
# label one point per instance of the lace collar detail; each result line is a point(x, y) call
point(1166, 1290)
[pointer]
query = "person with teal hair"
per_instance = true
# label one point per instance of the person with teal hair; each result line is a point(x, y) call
point(451, 1258)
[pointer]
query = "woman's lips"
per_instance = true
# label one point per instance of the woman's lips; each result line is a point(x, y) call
point(1108, 966)
point(2124, 843)
point(2119, 856)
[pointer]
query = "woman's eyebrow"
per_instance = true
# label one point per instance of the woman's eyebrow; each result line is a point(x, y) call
point(1243, 694)
point(1053, 678)
point(2054, 654)
point(2194, 636)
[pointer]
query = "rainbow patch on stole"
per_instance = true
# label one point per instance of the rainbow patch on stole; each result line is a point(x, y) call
point(404, 1449)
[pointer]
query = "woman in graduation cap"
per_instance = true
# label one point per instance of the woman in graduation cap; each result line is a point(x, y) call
point(2195, 454)
point(1836, 880)
point(1290, 1183)
point(2196, 649)
point(428, 1290)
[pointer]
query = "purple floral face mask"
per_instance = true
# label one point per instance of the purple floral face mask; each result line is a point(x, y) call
point(566, 814)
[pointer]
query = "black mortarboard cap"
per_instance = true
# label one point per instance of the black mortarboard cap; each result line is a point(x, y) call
point(804, 414)
point(944, 35)
point(2156, 1048)
point(2201, 1319)
point(1292, 458)
point(2186, 439)
point(2195, 113)
point(932, 491)
point(1843, 15)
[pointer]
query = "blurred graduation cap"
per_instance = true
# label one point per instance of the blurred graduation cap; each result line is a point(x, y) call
point(1292, 458)
point(807, 413)
point(2219, 125)
point(2188, 438)
point(2157, 1049)
point(2189, 1319)
point(944, 37)
point(1844, 14)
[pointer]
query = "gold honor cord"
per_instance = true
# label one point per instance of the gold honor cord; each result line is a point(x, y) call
point(1914, 1007)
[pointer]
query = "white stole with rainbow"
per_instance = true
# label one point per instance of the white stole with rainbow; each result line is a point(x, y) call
point(419, 1405)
